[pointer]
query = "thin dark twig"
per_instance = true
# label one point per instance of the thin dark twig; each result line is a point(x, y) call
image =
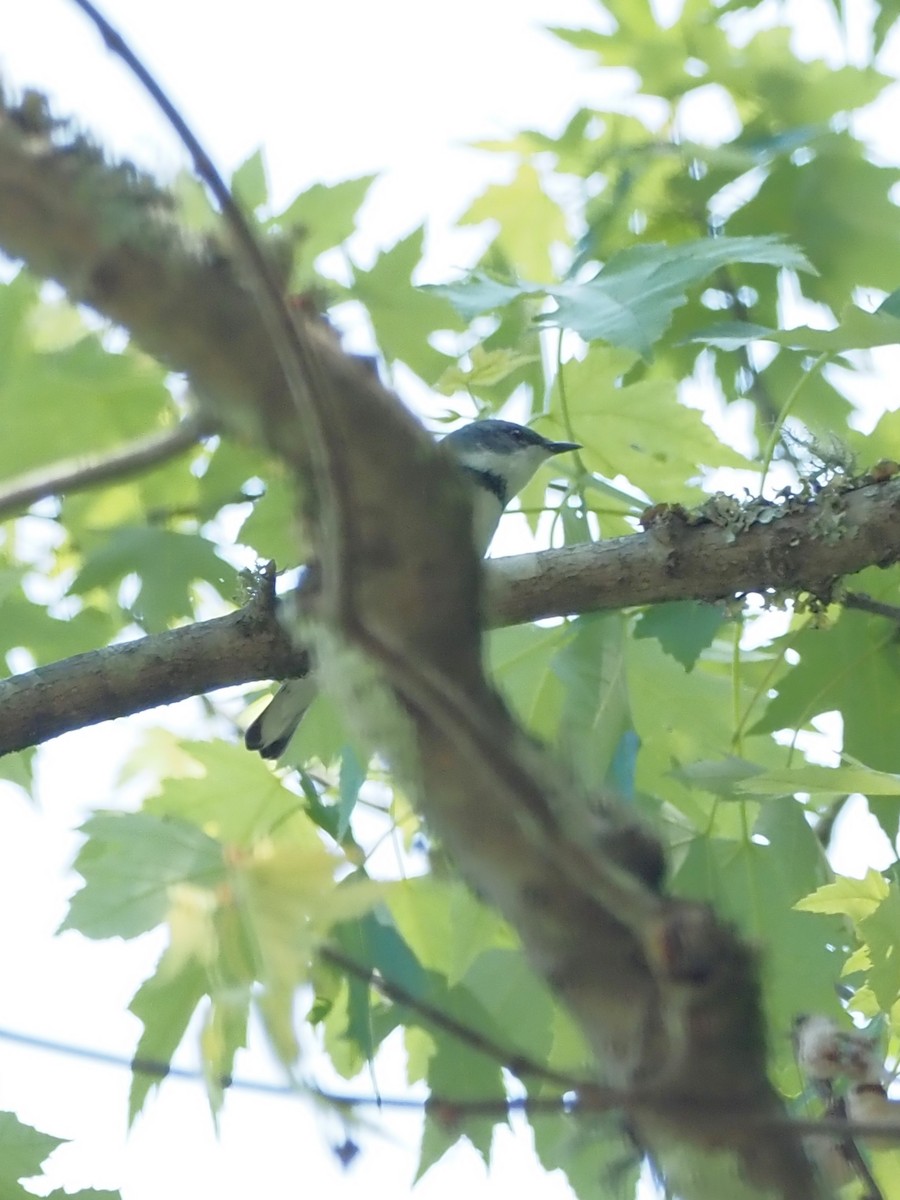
point(757, 390)
point(824, 827)
point(865, 603)
point(304, 374)
point(515, 1062)
point(814, 1126)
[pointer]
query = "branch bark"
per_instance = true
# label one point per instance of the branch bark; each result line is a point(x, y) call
point(671, 561)
point(80, 474)
point(666, 995)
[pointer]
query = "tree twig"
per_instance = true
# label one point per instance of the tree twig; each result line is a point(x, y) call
point(866, 603)
point(87, 471)
point(516, 1062)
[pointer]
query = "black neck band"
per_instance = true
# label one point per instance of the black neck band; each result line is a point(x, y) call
point(490, 481)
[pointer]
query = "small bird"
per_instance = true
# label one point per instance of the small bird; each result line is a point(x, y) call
point(499, 457)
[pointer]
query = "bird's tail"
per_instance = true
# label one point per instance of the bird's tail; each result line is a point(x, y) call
point(277, 723)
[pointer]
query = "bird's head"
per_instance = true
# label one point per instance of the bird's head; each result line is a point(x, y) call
point(501, 454)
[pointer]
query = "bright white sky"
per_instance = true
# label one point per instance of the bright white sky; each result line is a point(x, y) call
point(332, 90)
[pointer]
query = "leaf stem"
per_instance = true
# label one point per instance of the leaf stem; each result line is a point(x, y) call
point(783, 415)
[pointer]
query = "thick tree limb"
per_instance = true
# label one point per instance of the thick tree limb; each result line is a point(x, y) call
point(131, 677)
point(807, 546)
point(107, 234)
point(665, 994)
point(673, 561)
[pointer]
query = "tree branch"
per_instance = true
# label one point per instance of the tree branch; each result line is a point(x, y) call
point(78, 474)
point(108, 235)
point(674, 560)
point(800, 545)
point(117, 681)
point(865, 603)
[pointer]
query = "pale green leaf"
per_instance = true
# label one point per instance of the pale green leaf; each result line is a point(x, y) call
point(530, 222)
point(226, 792)
point(458, 1072)
point(723, 777)
point(878, 930)
point(886, 1168)
point(757, 886)
point(164, 1004)
point(829, 202)
point(444, 925)
point(488, 367)
point(684, 628)
point(129, 863)
point(857, 898)
point(62, 393)
point(630, 301)
point(592, 1152)
point(249, 183)
point(856, 330)
point(273, 527)
point(325, 215)
point(502, 981)
point(290, 900)
point(595, 715)
point(81, 1194)
point(479, 293)
point(521, 661)
point(815, 779)
point(404, 316)
point(352, 777)
point(638, 430)
point(224, 1033)
point(733, 335)
point(853, 667)
point(22, 1151)
point(164, 594)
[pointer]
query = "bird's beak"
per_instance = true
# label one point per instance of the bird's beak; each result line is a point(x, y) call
point(562, 447)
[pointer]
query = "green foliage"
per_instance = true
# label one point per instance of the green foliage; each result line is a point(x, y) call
point(684, 628)
point(643, 276)
point(88, 399)
point(325, 217)
point(854, 670)
point(530, 223)
point(873, 906)
point(757, 884)
point(22, 1151)
point(403, 316)
point(246, 888)
point(128, 863)
point(637, 429)
point(249, 183)
point(163, 595)
point(630, 301)
point(272, 527)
